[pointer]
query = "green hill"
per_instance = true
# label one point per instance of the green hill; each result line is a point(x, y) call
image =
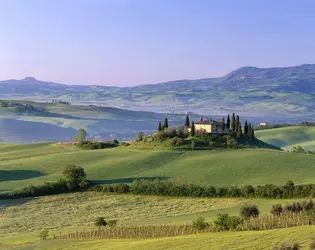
point(35, 163)
point(288, 137)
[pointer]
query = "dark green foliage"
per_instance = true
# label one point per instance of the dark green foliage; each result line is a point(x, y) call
point(192, 129)
point(223, 123)
point(140, 136)
point(249, 211)
point(193, 145)
point(165, 125)
point(245, 128)
point(126, 144)
point(249, 133)
point(100, 222)
point(175, 142)
point(287, 246)
point(248, 191)
point(239, 133)
point(253, 133)
point(233, 123)
point(276, 209)
point(75, 177)
point(227, 222)
point(288, 189)
point(160, 127)
point(294, 207)
point(228, 122)
point(237, 123)
point(187, 121)
point(97, 145)
point(200, 224)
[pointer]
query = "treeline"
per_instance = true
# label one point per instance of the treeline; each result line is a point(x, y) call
point(169, 188)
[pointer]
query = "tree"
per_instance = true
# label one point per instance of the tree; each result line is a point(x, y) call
point(192, 129)
point(201, 119)
point(253, 133)
point(233, 123)
point(246, 128)
point(187, 121)
point(75, 177)
point(160, 127)
point(239, 131)
point(223, 123)
point(43, 234)
point(237, 122)
point(81, 135)
point(165, 125)
point(100, 222)
point(140, 136)
point(228, 122)
point(249, 211)
point(249, 133)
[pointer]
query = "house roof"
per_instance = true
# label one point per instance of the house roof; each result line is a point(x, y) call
point(207, 122)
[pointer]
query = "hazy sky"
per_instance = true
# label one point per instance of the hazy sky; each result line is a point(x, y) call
point(131, 42)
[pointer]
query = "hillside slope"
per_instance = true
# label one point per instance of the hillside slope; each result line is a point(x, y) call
point(34, 164)
point(288, 137)
point(282, 94)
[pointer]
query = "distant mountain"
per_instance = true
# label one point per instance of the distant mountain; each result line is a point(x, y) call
point(273, 94)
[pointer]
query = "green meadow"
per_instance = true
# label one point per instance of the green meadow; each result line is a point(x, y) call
point(26, 164)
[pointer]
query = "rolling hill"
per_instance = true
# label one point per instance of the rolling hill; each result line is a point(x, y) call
point(288, 137)
point(283, 95)
point(39, 162)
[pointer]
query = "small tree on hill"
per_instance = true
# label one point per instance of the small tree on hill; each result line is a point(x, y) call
point(253, 133)
point(187, 121)
point(201, 119)
point(192, 129)
point(237, 122)
point(75, 177)
point(223, 123)
point(233, 123)
point(81, 135)
point(165, 125)
point(160, 127)
point(228, 122)
point(249, 133)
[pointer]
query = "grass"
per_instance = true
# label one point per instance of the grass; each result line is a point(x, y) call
point(227, 240)
point(289, 136)
point(27, 164)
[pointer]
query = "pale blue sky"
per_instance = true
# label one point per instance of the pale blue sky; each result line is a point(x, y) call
point(131, 42)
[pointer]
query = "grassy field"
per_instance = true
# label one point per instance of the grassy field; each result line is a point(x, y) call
point(290, 136)
point(26, 164)
point(227, 240)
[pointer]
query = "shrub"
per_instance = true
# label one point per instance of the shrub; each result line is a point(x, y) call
point(112, 223)
point(43, 234)
point(121, 188)
point(175, 142)
point(276, 209)
point(126, 144)
point(312, 244)
point(75, 177)
point(100, 222)
point(287, 246)
point(248, 211)
point(200, 224)
point(227, 222)
point(294, 207)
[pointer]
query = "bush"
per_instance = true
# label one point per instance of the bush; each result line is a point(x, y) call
point(112, 223)
point(249, 211)
point(43, 234)
point(100, 222)
point(227, 222)
point(200, 224)
point(287, 246)
point(294, 207)
point(126, 144)
point(276, 209)
point(121, 188)
point(75, 177)
point(312, 244)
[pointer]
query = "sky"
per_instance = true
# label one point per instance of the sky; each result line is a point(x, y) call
point(133, 42)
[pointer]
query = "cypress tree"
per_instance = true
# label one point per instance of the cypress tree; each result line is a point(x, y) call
point(253, 133)
point(192, 129)
point(239, 131)
point(160, 127)
point(233, 123)
point(228, 122)
point(246, 128)
point(223, 124)
point(249, 133)
point(165, 125)
point(201, 119)
point(237, 122)
point(187, 121)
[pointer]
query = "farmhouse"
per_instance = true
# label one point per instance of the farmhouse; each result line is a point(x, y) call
point(264, 124)
point(210, 126)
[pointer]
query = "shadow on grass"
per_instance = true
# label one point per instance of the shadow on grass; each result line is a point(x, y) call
point(14, 175)
point(127, 180)
point(14, 202)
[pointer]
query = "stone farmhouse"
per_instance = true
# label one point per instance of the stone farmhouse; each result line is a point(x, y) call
point(211, 127)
